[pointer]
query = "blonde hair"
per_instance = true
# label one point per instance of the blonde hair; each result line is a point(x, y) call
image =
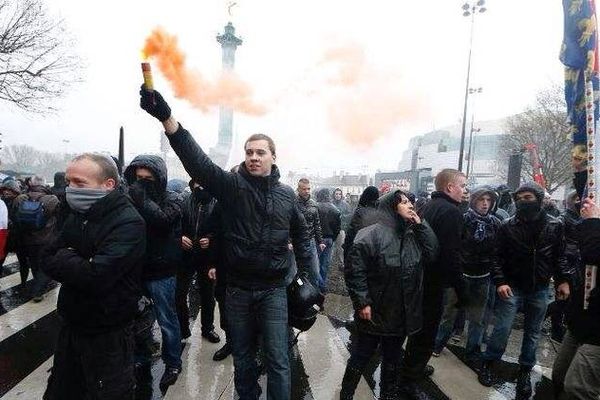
point(445, 177)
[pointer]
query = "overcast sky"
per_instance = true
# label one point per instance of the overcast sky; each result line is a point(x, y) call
point(415, 58)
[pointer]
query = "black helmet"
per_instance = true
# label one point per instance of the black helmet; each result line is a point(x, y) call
point(304, 303)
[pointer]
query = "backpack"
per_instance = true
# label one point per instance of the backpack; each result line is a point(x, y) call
point(30, 215)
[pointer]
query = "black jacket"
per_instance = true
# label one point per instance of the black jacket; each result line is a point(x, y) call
point(97, 259)
point(161, 210)
point(385, 271)
point(571, 219)
point(446, 220)
point(260, 216)
point(585, 324)
point(527, 260)
point(363, 216)
point(329, 215)
point(311, 215)
point(196, 224)
point(479, 251)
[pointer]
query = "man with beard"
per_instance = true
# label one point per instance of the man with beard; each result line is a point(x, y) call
point(260, 216)
point(444, 217)
point(146, 176)
point(97, 259)
point(531, 249)
point(198, 256)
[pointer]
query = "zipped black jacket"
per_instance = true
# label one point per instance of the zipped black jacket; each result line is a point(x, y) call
point(527, 262)
point(311, 215)
point(260, 215)
point(196, 224)
point(98, 258)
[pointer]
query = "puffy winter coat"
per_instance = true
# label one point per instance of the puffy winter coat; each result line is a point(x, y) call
point(98, 259)
point(260, 215)
point(162, 212)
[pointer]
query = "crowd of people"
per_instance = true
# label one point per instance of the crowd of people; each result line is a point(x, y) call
point(126, 251)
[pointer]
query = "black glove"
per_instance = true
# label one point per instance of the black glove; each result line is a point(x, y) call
point(137, 192)
point(154, 104)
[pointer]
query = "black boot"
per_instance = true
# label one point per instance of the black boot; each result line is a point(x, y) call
point(349, 383)
point(223, 352)
point(524, 383)
point(486, 376)
point(390, 374)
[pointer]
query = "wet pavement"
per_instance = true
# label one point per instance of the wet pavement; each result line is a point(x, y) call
point(28, 331)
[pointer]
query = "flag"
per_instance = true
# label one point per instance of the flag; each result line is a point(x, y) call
point(579, 54)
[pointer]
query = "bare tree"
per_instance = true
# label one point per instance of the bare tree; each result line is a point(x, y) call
point(24, 158)
point(543, 124)
point(37, 62)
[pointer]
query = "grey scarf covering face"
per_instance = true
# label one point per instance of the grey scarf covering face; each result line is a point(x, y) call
point(82, 199)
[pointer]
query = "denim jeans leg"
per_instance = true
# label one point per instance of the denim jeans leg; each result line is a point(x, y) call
point(447, 322)
point(243, 336)
point(324, 262)
point(478, 292)
point(272, 314)
point(162, 292)
point(313, 269)
point(505, 312)
point(535, 311)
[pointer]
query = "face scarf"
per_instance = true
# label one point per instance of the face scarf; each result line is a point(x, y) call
point(82, 199)
point(528, 210)
point(150, 188)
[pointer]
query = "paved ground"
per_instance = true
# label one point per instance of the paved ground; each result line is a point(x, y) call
point(28, 331)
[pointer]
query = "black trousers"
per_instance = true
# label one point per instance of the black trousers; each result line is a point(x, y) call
point(420, 345)
point(366, 345)
point(92, 367)
point(220, 290)
point(185, 275)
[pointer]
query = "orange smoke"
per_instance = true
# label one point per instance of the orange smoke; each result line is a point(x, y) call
point(368, 103)
point(228, 90)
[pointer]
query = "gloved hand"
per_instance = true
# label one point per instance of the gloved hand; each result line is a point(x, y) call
point(137, 192)
point(154, 104)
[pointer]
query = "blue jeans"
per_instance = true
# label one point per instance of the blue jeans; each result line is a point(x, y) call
point(534, 306)
point(477, 292)
point(313, 269)
point(250, 312)
point(162, 293)
point(324, 261)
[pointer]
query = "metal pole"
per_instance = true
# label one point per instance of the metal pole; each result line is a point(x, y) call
point(464, 119)
point(470, 155)
point(121, 149)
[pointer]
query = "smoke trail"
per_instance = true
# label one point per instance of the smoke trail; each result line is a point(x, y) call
point(368, 104)
point(188, 84)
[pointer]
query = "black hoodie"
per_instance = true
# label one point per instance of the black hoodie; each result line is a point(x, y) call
point(161, 210)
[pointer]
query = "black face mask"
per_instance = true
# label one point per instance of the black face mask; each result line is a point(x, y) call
point(150, 188)
point(528, 210)
point(201, 195)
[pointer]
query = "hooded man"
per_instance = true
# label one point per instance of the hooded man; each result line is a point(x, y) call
point(331, 222)
point(479, 256)
point(531, 249)
point(260, 217)
point(146, 176)
point(97, 259)
point(364, 215)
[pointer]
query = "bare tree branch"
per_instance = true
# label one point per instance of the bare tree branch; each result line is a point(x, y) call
point(37, 63)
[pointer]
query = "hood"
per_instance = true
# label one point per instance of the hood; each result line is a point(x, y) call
point(155, 164)
point(176, 185)
point(387, 211)
point(59, 180)
point(479, 191)
point(323, 195)
point(531, 187)
point(369, 197)
point(11, 184)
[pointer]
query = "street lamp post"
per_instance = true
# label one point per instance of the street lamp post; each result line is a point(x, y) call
point(470, 158)
point(468, 10)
